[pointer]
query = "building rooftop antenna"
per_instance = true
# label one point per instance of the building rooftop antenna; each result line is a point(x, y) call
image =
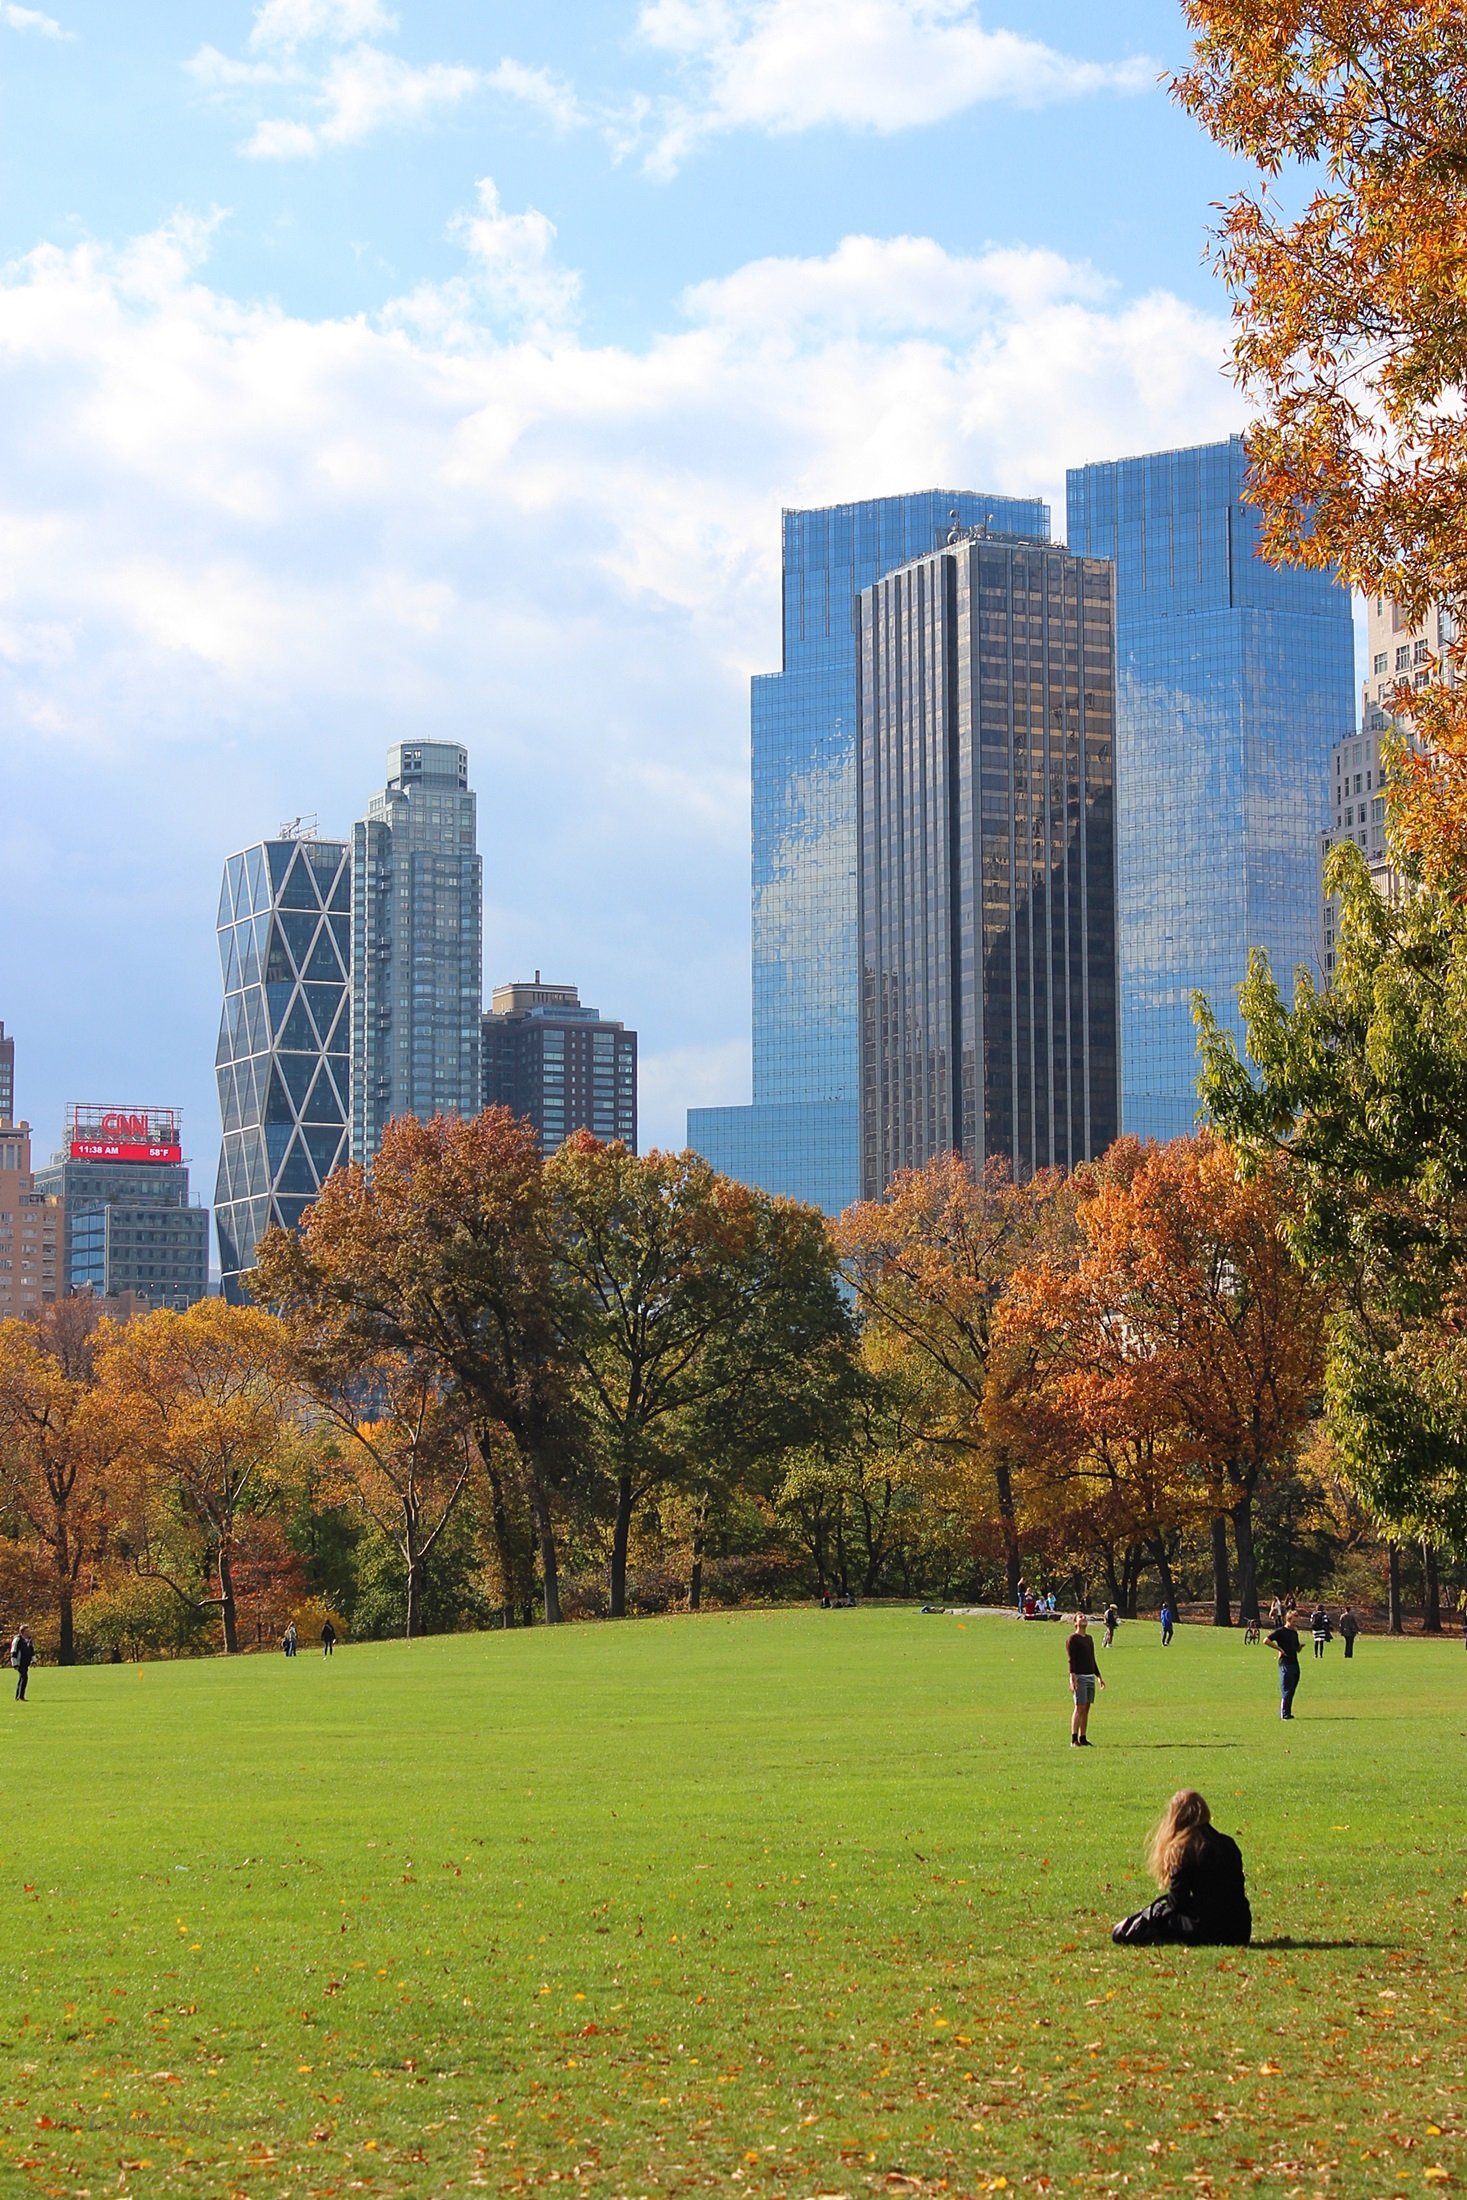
point(299, 828)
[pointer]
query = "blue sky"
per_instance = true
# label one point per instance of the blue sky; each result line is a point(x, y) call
point(369, 371)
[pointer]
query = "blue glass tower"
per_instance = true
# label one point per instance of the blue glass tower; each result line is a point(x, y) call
point(802, 1136)
point(1235, 678)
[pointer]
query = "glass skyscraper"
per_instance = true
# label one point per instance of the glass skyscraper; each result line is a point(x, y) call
point(1235, 681)
point(417, 924)
point(285, 957)
point(801, 1136)
point(986, 912)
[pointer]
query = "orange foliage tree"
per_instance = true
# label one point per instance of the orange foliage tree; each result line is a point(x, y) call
point(444, 1253)
point(201, 1405)
point(930, 1263)
point(55, 1448)
point(1352, 316)
point(1183, 1345)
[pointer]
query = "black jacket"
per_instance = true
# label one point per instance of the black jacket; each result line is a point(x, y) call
point(1208, 1887)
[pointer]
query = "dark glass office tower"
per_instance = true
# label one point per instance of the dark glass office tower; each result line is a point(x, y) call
point(801, 1135)
point(417, 922)
point(1235, 681)
point(281, 1064)
point(562, 1066)
point(986, 903)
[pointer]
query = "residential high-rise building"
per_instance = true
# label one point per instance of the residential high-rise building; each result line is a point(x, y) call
point(7, 1078)
point(562, 1066)
point(986, 906)
point(129, 1226)
point(1397, 653)
point(801, 1136)
point(1234, 683)
point(31, 1225)
point(284, 1037)
point(416, 968)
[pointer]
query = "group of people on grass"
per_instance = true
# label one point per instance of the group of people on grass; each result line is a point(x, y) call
point(1283, 1640)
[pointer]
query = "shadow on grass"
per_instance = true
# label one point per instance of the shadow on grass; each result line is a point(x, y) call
point(1283, 1940)
point(1167, 1745)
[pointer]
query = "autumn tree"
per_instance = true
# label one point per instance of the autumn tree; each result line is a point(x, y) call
point(55, 1447)
point(929, 1264)
point(403, 1452)
point(694, 1312)
point(1352, 317)
point(443, 1253)
point(201, 1406)
point(1184, 1344)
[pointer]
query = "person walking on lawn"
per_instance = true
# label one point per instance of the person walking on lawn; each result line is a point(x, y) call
point(1085, 1678)
point(1319, 1629)
point(1349, 1628)
point(1285, 1640)
point(1168, 1618)
point(1112, 1622)
point(22, 1657)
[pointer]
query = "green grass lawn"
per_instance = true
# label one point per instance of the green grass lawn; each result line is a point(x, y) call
point(796, 1903)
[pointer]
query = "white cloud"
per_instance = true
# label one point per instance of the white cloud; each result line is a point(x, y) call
point(885, 65)
point(30, 19)
point(538, 88)
point(513, 285)
point(241, 550)
point(342, 87)
point(292, 23)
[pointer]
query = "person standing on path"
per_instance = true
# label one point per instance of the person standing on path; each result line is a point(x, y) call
point(22, 1657)
point(1112, 1622)
point(1168, 1618)
point(1349, 1628)
point(328, 1639)
point(1285, 1640)
point(1085, 1678)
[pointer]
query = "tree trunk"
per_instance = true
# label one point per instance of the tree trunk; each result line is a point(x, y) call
point(621, 1535)
point(695, 1572)
point(1163, 1574)
point(1004, 1484)
point(1222, 1595)
point(1394, 1622)
point(504, 1551)
point(227, 1613)
point(1431, 1590)
point(414, 1568)
point(1247, 1565)
point(549, 1565)
point(66, 1644)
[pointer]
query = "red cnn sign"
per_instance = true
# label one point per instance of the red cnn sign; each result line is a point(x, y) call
point(96, 1133)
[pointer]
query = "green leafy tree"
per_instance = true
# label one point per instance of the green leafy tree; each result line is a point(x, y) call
point(1362, 1090)
point(694, 1312)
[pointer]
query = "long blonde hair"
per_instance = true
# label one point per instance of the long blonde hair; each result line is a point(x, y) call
point(1184, 1817)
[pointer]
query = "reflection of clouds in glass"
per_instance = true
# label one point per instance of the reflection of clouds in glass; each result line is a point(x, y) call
point(1236, 680)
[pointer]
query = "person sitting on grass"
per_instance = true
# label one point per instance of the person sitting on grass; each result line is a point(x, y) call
point(1205, 1903)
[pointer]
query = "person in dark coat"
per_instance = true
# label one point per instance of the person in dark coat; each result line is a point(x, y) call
point(328, 1639)
point(1085, 1678)
point(22, 1657)
point(1285, 1640)
point(1349, 1628)
point(1319, 1629)
point(1205, 1902)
